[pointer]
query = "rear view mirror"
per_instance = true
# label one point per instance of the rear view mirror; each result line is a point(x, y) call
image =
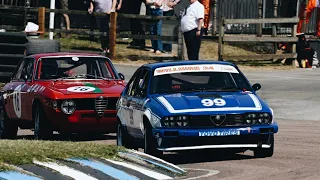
point(121, 76)
point(256, 87)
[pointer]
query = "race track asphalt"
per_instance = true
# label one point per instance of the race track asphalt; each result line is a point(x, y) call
point(294, 96)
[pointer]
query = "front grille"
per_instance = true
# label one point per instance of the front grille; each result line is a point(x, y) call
point(208, 121)
point(100, 104)
point(89, 103)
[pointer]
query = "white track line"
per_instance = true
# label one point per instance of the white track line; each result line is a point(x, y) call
point(210, 173)
point(65, 170)
point(144, 171)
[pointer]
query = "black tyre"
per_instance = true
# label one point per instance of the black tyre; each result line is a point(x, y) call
point(150, 145)
point(121, 137)
point(36, 46)
point(265, 152)
point(8, 128)
point(124, 139)
point(42, 128)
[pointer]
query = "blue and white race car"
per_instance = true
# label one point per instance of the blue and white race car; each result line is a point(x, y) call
point(188, 105)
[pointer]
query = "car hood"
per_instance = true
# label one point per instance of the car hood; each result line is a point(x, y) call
point(210, 102)
point(87, 87)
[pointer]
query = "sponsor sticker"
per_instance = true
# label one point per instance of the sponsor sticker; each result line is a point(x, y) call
point(220, 133)
point(195, 68)
point(81, 89)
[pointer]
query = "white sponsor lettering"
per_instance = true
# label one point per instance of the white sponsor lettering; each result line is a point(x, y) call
point(195, 68)
point(211, 102)
point(220, 133)
point(17, 100)
point(81, 89)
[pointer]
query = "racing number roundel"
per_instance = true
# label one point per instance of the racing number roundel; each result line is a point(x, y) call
point(211, 102)
point(17, 101)
point(81, 89)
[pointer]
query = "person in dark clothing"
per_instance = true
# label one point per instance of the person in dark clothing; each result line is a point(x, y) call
point(301, 45)
point(136, 25)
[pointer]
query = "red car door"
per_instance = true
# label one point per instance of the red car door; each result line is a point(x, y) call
point(12, 89)
point(17, 90)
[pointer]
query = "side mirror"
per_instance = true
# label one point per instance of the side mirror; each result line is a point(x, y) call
point(256, 87)
point(25, 77)
point(121, 76)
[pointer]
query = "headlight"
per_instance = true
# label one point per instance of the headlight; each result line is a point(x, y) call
point(68, 106)
point(173, 121)
point(258, 118)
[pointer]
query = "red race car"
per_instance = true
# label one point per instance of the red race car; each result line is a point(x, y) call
point(64, 92)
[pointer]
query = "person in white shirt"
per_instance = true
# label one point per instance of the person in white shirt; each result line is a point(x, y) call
point(168, 11)
point(154, 8)
point(191, 26)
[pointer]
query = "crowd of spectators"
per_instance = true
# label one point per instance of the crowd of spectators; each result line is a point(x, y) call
point(139, 26)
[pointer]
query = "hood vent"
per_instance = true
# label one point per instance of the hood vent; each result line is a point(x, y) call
point(101, 104)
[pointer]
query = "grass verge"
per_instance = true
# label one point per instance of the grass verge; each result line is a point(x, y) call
point(25, 151)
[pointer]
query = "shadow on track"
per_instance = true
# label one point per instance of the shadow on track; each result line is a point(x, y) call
point(200, 156)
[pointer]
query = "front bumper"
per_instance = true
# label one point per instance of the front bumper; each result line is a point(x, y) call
point(210, 138)
point(84, 121)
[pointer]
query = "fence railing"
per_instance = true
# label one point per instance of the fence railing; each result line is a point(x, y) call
point(272, 38)
point(175, 37)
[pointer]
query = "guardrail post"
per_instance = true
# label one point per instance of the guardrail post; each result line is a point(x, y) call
point(113, 35)
point(214, 19)
point(259, 26)
point(180, 44)
point(294, 45)
point(41, 20)
point(274, 26)
point(221, 34)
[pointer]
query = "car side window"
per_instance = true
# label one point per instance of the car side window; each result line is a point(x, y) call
point(18, 71)
point(132, 83)
point(140, 84)
point(143, 83)
point(28, 68)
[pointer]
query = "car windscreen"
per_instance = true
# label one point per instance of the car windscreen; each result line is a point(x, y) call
point(198, 81)
point(74, 68)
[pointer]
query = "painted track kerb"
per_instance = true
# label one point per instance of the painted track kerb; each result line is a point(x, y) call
point(65, 170)
point(144, 171)
point(158, 159)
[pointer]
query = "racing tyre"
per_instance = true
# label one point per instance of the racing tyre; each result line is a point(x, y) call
point(150, 146)
point(36, 46)
point(8, 128)
point(42, 129)
point(123, 138)
point(265, 152)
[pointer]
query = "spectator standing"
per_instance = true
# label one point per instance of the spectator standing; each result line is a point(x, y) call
point(103, 6)
point(168, 11)
point(63, 4)
point(191, 26)
point(136, 25)
point(154, 8)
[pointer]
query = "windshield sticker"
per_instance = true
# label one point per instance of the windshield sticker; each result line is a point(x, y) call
point(195, 68)
point(212, 102)
point(81, 89)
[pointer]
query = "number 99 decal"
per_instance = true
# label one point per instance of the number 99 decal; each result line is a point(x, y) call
point(211, 102)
